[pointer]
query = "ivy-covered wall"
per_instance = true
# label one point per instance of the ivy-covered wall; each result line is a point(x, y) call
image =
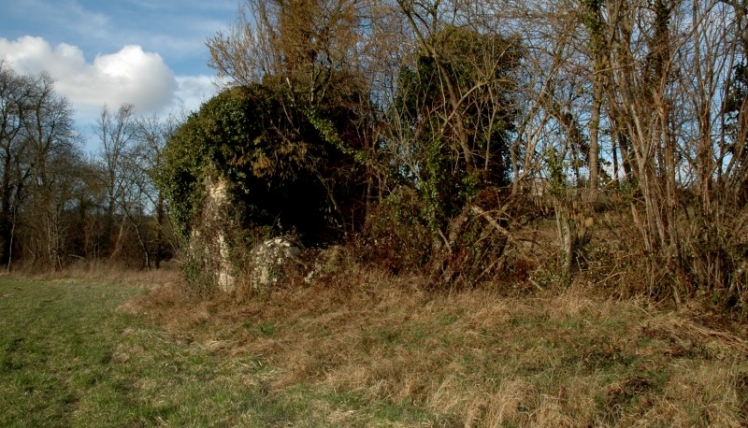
point(285, 170)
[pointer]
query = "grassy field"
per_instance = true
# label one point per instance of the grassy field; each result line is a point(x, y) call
point(376, 353)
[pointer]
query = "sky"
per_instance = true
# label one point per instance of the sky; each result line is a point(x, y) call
point(150, 53)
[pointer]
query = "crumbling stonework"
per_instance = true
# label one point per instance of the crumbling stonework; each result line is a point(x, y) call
point(210, 244)
point(268, 260)
point(209, 240)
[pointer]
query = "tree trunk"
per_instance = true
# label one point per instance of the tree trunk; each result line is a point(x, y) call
point(594, 154)
point(159, 253)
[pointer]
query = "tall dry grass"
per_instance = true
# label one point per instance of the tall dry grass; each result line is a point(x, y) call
point(477, 357)
point(168, 275)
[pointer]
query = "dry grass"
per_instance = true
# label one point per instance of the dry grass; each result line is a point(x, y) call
point(168, 275)
point(474, 358)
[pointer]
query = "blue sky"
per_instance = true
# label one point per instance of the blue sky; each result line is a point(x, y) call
point(147, 52)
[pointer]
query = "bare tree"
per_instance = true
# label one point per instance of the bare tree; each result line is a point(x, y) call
point(151, 135)
point(36, 134)
point(115, 132)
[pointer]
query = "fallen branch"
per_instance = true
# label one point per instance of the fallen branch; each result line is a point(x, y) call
point(492, 221)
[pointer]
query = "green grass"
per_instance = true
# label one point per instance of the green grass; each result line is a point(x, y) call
point(69, 357)
point(87, 353)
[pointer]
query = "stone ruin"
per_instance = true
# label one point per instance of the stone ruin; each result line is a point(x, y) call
point(210, 242)
point(261, 267)
point(208, 239)
point(269, 259)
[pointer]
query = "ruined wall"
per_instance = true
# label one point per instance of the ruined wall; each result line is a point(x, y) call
point(209, 239)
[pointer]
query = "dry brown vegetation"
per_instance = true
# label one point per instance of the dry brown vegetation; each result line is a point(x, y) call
point(169, 275)
point(474, 358)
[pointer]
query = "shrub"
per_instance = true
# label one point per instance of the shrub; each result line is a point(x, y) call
point(396, 236)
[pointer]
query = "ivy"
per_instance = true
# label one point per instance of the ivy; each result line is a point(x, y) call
point(276, 159)
point(448, 180)
point(330, 134)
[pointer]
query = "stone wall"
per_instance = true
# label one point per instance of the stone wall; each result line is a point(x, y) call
point(209, 240)
point(210, 246)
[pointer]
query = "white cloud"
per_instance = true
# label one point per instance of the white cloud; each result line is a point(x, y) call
point(128, 76)
point(192, 91)
point(177, 29)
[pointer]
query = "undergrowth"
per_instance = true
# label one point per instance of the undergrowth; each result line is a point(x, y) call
point(474, 357)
